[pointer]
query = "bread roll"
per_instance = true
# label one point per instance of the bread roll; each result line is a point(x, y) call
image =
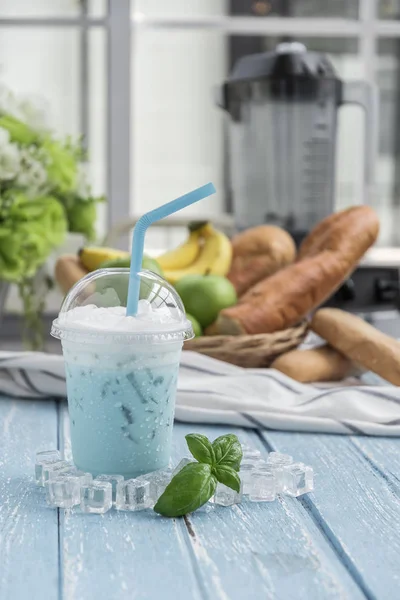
point(359, 341)
point(327, 257)
point(317, 364)
point(257, 253)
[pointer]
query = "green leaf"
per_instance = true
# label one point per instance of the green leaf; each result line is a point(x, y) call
point(228, 451)
point(227, 476)
point(20, 133)
point(201, 448)
point(188, 490)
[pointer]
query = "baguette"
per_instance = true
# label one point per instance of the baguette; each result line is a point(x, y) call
point(317, 364)
point(360, 342)
point(326, 258)
point(257, 253)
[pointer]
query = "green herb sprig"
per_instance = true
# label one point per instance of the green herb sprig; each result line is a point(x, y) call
point(196, 483)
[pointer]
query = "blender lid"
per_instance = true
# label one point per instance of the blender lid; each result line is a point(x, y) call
point(289, 59)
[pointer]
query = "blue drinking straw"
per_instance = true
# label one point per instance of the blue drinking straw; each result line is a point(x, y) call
point(140, 231)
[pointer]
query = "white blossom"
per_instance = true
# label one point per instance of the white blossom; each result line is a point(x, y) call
point(9, 161)
point(8, 102)
point(32, 174)
point(83, 188)
point(34, 112)
point(4, 137)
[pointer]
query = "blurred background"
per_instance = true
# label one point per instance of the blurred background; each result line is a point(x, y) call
point(137, 79)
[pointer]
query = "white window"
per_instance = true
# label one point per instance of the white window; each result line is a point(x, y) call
point(137, 77)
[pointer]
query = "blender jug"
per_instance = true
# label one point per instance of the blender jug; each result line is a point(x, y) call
point(282, 136)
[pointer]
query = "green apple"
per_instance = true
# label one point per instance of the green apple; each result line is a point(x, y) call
point(197, 330)
point(204, 296)
point(148, 263)
point(121, 283)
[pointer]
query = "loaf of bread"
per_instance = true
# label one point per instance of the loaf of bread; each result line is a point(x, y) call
point(359, 341)
point(327, 257)
point(68, 271)
point(317, 364)
point(257, 253)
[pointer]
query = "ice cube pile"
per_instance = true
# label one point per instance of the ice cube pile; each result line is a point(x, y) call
point(261, 480)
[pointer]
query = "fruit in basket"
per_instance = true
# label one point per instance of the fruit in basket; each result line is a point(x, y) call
point(92, 257)
point(148, 263)
point(151, 264)
point(214, 256)
point(197, 330)
point(68, 270)
point(116, 263)
point(259, 252)
point(326, 258)
point(204, 296)
point(185, 254)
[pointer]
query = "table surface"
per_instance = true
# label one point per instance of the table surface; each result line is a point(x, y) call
point(342, 541)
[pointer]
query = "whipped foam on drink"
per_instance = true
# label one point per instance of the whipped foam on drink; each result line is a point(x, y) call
point(148, 318)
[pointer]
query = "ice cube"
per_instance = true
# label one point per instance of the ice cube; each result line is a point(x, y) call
point(114, 480)
point(247, 466)
point(43, 470)
point(42, 458)
point(250, 453)
point(133, 494)
point(299, 479)
point(277, 458)
point(158, 482)
point(63, 492)
point(276, 470)
point(144, 307)
point(70, 471)
point(96, 497)
point(180, 465)
point(225, 496)
point(47, 456)
point(263, 486)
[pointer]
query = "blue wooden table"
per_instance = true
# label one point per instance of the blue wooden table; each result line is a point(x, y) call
point(342, 541)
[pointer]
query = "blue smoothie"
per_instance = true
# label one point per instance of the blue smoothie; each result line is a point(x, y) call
point(121, 406)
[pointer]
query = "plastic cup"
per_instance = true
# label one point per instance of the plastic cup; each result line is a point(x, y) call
point(121, 371)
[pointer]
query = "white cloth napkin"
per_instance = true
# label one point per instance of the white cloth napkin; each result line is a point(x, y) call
point(211, 391)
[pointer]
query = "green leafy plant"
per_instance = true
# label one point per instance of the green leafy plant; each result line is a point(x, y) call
point(44, 193)
point(196, 483)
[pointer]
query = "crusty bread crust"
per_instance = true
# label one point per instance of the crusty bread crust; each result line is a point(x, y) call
point(327, 257)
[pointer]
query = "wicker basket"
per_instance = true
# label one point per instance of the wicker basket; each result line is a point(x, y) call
point(254, 351)
point(243, 350)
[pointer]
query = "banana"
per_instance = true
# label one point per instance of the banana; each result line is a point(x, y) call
point(184, 255)
point(215, 257)
point(92, 256)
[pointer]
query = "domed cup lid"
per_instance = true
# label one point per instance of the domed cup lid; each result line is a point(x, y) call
point(95, 310)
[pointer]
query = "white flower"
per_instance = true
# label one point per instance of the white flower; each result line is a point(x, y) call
point(34, 112)
point(4, 137)
point(32, 175)
point(8, 102)
point(83, 188)
point(9, 161)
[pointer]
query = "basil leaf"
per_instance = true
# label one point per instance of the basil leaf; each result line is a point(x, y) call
point(187, 491)
point(201, 448)
point(228, 451)
point(228, 477)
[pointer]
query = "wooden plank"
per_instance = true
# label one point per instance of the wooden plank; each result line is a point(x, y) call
point(125, 555)
point(28, 529)
point(355, 503)
point(263, 550)
point(383, 454)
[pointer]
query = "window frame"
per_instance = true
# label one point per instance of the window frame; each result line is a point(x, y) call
point(121, 26)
